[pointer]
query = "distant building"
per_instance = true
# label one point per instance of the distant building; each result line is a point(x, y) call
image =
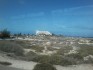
point(43, 33)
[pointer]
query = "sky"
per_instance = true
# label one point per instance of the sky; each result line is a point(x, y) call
point(67, 17)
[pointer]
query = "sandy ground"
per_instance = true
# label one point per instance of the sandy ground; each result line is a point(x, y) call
point(19, 63)
point(76, 67)
point(24, 65)
point(8, 68)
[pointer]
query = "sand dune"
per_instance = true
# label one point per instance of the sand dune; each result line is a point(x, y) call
point(18, 63)
point(8, 68)
point(24, 65)
point(76, 67)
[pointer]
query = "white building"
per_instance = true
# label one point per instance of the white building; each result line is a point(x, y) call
point(43, 33)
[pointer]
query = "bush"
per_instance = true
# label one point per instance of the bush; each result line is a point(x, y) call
point(5, 34)
point(53, 59)
point(44, 66)
point(5, 63)
point(59, 60)
point(89, 61)
point(66, 62)
point(37, 48)
point(41, 58)
point(75, 56)
point(56, 60)
point(51, 48)
point(85, 50)
point(31, 56)
point(11, 47)
point(64, 49)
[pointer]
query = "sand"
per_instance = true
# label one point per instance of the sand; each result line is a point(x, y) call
point(24, 65)
point(8, 68)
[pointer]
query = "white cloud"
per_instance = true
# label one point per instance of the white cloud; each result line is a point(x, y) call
point(30, 15)
point(57, 11)
point(73, 11)
point(60, 26)
point(73, 27)
point(35, 14)
point(80, 7)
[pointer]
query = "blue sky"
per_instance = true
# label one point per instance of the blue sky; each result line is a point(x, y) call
point(67, 17)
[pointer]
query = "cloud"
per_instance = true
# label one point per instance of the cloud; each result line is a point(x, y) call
point(81, 10)
point(57, 11)
point(30, 15)
point(80, 28)
point(80, 7)
point(35, 14)
point(83, 27)
point(66, 27)
point(60, 26)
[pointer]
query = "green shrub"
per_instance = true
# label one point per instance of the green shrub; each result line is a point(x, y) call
point(44, 66)
point(75, 56)
point(89, 61)
point(59, 60)
point(53, 59)
point(41, 58)
point(51, 48)
point(5, 34)
point(37, 48)
point(5, 63)
point(85, 50)
point(24, 44)
point(64, 49)
point(66, 62)
point(31, 53)
point(11, 47)
point(31, 56)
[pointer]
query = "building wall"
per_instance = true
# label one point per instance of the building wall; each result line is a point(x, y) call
point(43, 33)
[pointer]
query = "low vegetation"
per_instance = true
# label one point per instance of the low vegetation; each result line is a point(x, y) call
point(64, 49)
point(11, 47)
point(24, 44)
point(52, 59)
point(85, 50)
point(76, 56)
point(30, 56)
point(89, 61)
point(34, 53)
point(4, 34)
point(37, 48)
point(51, 48)
point(44, 66)
point(5, 63)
